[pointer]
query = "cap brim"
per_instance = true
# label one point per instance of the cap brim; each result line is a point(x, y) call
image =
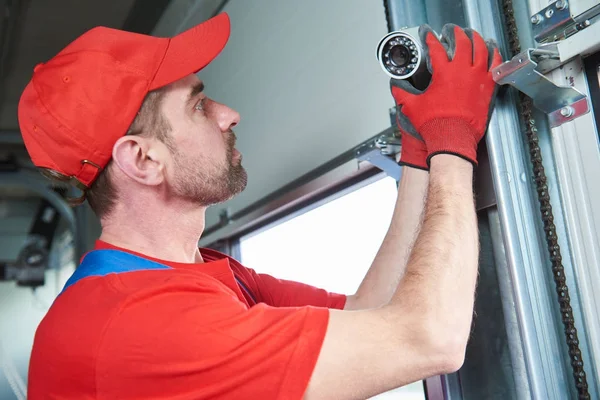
point(192, 50)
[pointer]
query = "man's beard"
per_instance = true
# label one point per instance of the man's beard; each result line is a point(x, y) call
point(212, 184)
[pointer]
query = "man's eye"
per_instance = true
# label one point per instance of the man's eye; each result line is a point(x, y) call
point(200, 105)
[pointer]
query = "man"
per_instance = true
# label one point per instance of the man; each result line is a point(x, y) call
point(149, 315)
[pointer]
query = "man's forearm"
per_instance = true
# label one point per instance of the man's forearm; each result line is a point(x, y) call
point(439, 283)
point(387, 269)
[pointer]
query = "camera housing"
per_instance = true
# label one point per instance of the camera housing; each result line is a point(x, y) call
point(400, 54)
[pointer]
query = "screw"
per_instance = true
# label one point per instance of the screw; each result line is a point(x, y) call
point(536, 19)
point(562, 4)
point(582, 25)
point(567, 111)
point(549, 13)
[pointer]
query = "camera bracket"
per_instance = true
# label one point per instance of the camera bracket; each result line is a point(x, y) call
point(526, 73)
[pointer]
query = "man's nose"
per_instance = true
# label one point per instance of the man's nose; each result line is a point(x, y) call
point(227, 117)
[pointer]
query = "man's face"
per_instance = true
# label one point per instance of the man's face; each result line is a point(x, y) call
point(204, 167)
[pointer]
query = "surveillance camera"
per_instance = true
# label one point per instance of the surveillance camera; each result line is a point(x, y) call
point(401, 55)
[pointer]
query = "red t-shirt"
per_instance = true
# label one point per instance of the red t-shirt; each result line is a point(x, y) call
point(186, 332)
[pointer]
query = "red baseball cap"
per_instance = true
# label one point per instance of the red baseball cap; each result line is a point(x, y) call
point(80, 102)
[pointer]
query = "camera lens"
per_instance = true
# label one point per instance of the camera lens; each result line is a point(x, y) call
point(400, 56)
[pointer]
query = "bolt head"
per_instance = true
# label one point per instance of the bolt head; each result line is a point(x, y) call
point(566, 111)
point(536, 19)
point(562, 4)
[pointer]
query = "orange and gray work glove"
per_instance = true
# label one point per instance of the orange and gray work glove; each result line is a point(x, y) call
point(451, 115)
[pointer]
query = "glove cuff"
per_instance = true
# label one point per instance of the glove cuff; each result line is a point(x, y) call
point(451, 136)
point(414, 153)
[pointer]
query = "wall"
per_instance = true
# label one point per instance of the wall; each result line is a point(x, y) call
point(21, 309)
point(304, 77)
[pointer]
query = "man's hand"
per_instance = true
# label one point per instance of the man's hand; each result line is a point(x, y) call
point(451, 114)
point(423, 330)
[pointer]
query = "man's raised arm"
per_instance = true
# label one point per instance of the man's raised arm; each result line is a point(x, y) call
point(389, 265)
point(423, 330)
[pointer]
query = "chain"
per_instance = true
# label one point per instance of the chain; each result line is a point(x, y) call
point(539, 174)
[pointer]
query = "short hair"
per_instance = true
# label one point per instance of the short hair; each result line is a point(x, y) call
point(102, 194)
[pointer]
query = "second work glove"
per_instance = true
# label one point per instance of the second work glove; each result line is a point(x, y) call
point(414, 152)
point(451, 114)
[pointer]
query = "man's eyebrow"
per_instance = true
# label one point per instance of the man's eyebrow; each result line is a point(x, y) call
point(197, 89)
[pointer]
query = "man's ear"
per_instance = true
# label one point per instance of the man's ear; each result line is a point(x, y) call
point(136, 157)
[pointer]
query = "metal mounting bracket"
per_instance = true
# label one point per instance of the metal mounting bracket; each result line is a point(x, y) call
point(381, 152)
point(552, 21)
point(526, 73)
point(560, 20)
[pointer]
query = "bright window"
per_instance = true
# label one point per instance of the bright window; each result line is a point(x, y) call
point(331, 247)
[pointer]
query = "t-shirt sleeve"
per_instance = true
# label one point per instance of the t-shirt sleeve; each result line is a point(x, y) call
point(280, 292)
point(285, 293)
point(198, 341)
